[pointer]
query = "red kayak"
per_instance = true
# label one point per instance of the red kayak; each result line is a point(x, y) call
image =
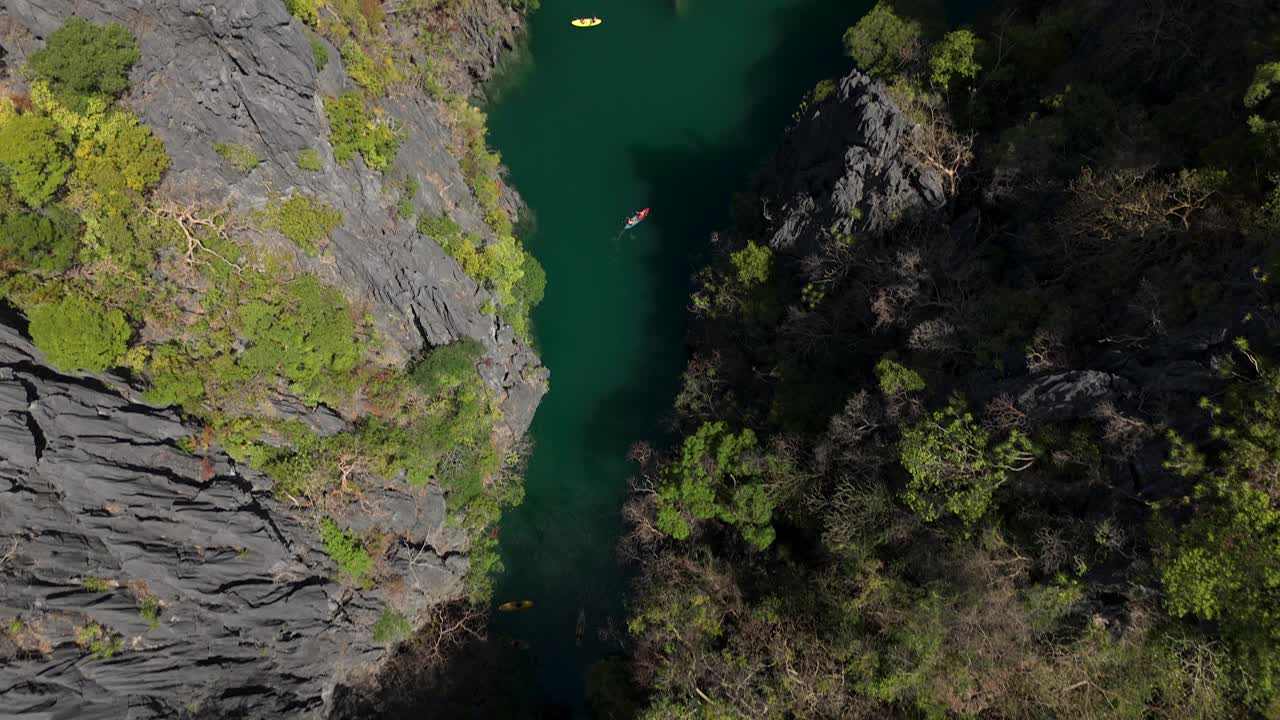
point(634, 220)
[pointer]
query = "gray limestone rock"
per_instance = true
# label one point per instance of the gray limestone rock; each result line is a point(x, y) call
point(843, 170)
point(1067, 395)
point(251, 617)
point(241, 72)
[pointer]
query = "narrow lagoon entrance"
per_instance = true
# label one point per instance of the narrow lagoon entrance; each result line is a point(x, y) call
point(668, 104)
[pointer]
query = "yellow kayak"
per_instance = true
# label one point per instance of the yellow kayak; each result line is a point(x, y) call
point(516, 605)
point(587, 22)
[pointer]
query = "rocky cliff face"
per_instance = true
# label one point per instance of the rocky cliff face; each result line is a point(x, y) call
point(843, 170)
point(240, 72)
point(151, 581)
point(104, 509)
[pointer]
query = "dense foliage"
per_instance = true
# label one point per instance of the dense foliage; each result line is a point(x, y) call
point(37, 243)
point(82, 60)
point(77, 333)
point(1014, 457)
point(347, 550)
point(517, 279)
point(33, 149)
point(303, 219)
point(357, 129)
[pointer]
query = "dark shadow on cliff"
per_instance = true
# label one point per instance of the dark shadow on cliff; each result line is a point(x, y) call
point(485, 679)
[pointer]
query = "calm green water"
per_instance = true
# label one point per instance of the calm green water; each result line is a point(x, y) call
point(655, 108)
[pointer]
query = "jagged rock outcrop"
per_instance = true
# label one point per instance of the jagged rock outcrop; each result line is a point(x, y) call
point(844, 169)
point(241, 72)
point(251, 618)
point(1065, 395)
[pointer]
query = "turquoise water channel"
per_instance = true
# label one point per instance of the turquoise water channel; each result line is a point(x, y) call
point(665, 105)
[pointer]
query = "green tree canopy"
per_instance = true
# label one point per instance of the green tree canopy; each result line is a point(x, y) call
point(36, 242)
point(954, 466)
point(896, 378)
point(357, 129)
point(448, 367)
point(78, 333)
point(1223, 564)
point(34, 150)
point(717, 476)
point(303, 219)
point(953, 58)
point(752, 264)
point(305, 333)
point(120, 159)
point(880, 38)
point(83, 59)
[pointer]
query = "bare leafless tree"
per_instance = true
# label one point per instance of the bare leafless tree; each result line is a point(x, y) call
point(194, 222)
point(939, 146)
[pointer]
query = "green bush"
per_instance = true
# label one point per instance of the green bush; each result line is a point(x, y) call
point(355, 129)
point(99, 641)
point(371, 74)
point(404, 209)
point(391, 627)
point(241, 157)
point(876, 43)
point(34, 149)
point(448, 367)
point(96, 585)
point(82, 59)
point(130, 240)
point(303, 220)
point(518, 280)
point(174, 378)
point(355, 15)
point(149, 609)
point(1265, 77)
point(455, 441)
point(36, 242)
point(319, 51)
point(118, 161)
point(751, 264)
point(308, 11)
point(532, 286)
point(304, 335)
point(309, 159)
point(347, 551)
point(1223, 564)
point(896, 378)
point(77, 333)
point(440, 228)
